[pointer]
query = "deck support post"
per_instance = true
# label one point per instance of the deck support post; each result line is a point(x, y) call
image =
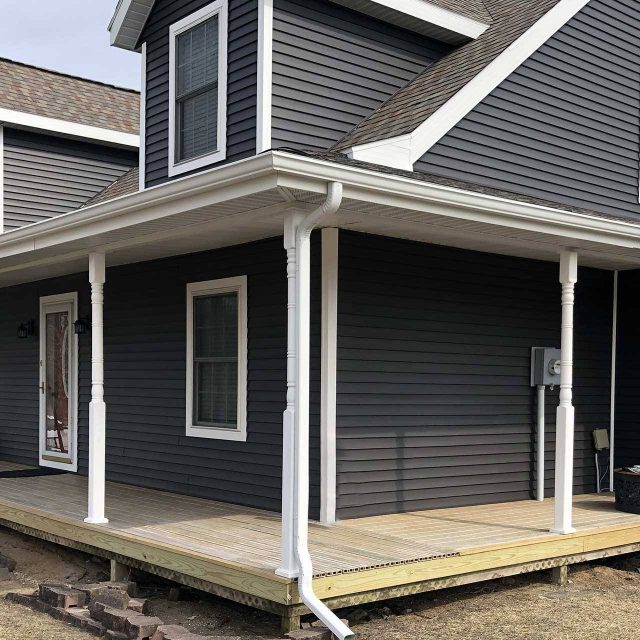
point(565, 415)
point(289, 621)
point(560, 575)
point(288, 567)
point(118, 572)
point(97, 407)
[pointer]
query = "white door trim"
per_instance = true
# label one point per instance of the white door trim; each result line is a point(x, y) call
point(61, 302)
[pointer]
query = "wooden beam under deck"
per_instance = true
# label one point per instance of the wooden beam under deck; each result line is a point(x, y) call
point(233, 551)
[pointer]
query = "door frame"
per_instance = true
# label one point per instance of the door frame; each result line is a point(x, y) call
point(60, 302)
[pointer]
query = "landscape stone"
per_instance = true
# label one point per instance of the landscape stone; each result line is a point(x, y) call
point(59, 595)
point(112, 597)
point(315, 633)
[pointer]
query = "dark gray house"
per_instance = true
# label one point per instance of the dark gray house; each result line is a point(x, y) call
point(364, 214)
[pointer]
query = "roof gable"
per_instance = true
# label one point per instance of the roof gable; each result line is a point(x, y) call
point(415, 118)
point(128, 22)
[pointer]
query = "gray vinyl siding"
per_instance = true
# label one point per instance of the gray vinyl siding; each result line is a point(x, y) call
point(564, 126)
point(46, 176)
point(19, 374)
point(435, 408)
point(627, 426)
point(333, 67)
point(145, 331)
point(241, 81)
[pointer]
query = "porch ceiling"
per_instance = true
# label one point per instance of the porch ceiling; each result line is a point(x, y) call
point(248, 200)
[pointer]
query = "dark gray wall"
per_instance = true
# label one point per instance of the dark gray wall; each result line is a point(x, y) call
point(564, 126)
point(46, 176)
point(333, 67)
point(627, 434)
point(241, 88)
point(145, 320)
point(434, 403)
point(19, 375)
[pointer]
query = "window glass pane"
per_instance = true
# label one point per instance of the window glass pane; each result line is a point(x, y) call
point(197, 90)
point(198, 124)
point(197, 57)
point(215, 346)
point(216, 326)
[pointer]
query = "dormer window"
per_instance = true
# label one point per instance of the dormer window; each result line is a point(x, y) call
point(198, 89)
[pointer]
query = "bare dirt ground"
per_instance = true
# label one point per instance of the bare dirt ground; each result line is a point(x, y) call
point(600, 603)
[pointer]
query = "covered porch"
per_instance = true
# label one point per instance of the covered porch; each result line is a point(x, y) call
point(234, 551)
point(246, 554)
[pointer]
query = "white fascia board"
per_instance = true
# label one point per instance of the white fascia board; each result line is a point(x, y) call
point(393, 152)
point(476, 90)
point(276, 168)
point(423, 13)
point(21, 119)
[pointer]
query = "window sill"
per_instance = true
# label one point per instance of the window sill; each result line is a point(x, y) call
point(212, 433)
point(176, 169)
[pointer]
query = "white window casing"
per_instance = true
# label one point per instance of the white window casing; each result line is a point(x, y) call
point(196, 290)
point(219, 8)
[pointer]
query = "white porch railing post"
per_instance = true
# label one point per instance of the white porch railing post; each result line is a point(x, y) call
point(97, 407)
point(288, 566)
point(565, 415)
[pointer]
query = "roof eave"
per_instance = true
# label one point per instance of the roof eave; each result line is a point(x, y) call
point(128, 22)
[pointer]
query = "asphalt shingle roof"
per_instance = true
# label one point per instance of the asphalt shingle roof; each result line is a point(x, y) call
point(125, 185)
point(52, 94)
point(408, 108)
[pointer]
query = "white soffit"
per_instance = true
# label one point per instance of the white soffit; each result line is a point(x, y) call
point(401, 152)
point(128, 22)
point(422, 17)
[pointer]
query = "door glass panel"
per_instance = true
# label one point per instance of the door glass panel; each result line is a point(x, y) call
point(57, 382)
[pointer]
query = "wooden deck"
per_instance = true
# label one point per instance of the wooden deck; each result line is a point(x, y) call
point(233, 551)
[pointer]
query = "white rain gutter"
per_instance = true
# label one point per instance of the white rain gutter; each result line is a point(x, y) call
point(301, 452)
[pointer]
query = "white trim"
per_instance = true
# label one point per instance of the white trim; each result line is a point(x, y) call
point(70, 129)
point(421, 16)
point(62, 302)
point(218, 7)
point(614, 348)
point(213, 287)
point(288, 170)
point(142, 155)
point(1, 179)
point(476, 90)
point(265, 75)
point(329, 351)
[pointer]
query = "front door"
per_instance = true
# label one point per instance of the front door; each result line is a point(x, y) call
point(58, 382)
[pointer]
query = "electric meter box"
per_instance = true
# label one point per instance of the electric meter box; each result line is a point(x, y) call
point(545, 366)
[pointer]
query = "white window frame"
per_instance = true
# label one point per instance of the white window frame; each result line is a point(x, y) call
point(220, 8)
point(217, 287)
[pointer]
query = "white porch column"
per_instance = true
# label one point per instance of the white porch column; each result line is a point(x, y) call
point(288, 565)
point(565, 414)
point(97, 407)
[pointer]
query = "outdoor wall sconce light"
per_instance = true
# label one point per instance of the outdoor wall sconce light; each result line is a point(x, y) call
point(27, 329)
point(82, 326)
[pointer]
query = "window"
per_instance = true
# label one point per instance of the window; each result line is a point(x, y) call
point(198, 89)
point(217, 358)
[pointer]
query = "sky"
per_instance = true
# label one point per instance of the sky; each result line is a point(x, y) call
point(69, 36)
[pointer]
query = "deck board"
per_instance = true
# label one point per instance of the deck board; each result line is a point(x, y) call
point(239, 547)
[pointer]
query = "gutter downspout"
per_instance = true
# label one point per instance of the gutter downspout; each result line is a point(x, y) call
point(301, 488)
